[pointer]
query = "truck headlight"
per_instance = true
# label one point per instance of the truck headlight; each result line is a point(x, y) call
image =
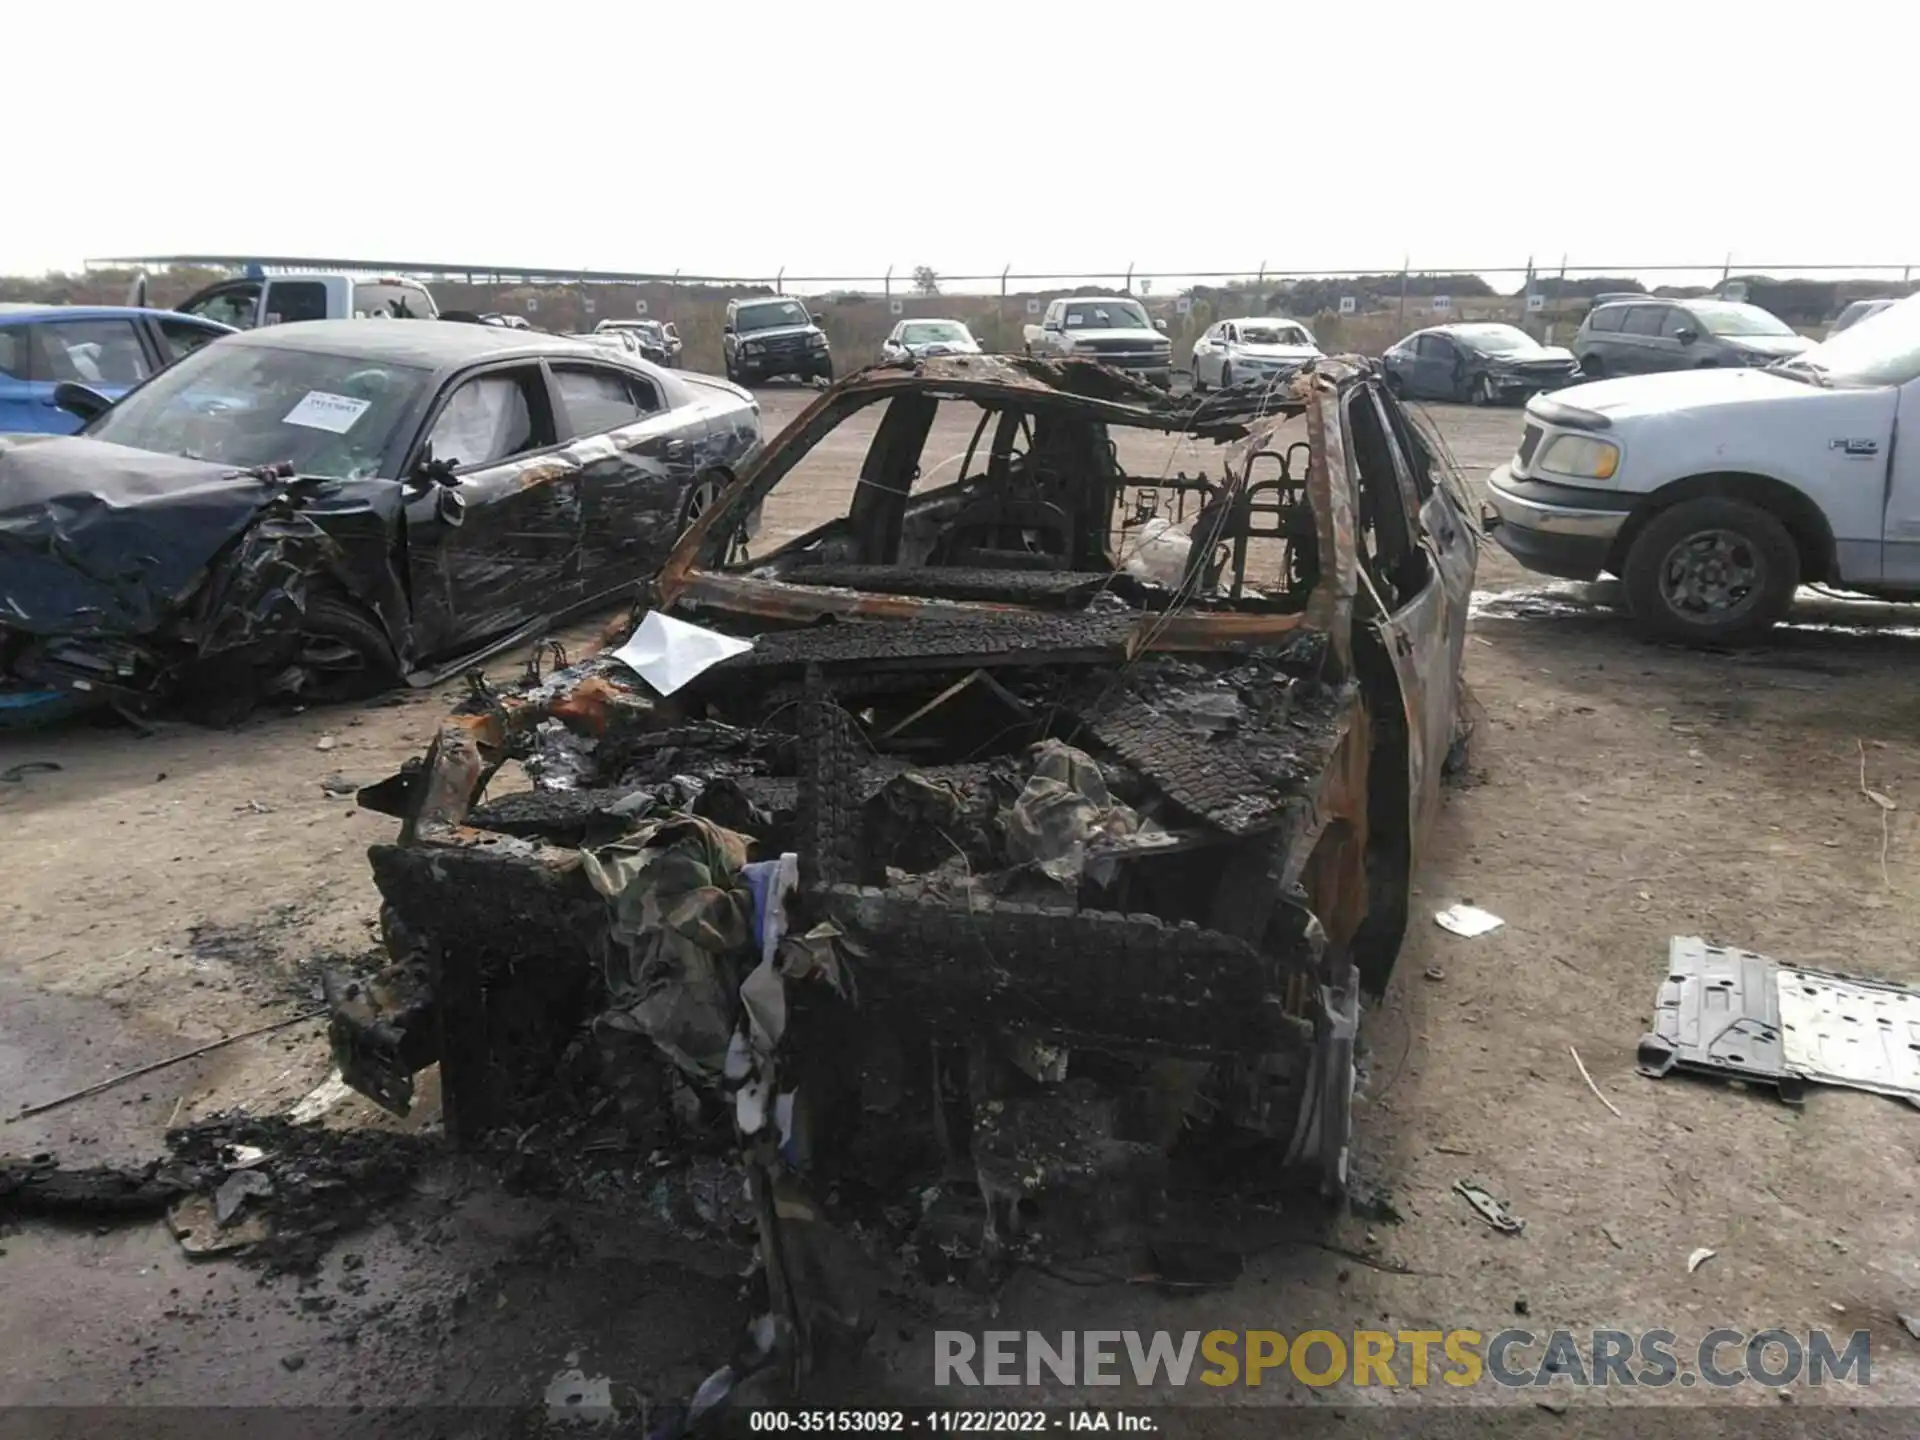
point(819, 342)
point(1085, 347)
point(1581, 456)
point(752, 347)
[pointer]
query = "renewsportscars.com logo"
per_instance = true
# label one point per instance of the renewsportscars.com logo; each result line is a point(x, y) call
point(1721, 1358)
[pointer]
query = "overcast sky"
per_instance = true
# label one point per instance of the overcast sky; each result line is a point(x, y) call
point(839, 139)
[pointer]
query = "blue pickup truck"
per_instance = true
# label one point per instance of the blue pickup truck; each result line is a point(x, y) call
point(108, 348)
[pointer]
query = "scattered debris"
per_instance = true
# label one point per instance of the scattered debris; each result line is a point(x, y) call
point(1699, 1258)
point(1612, 1239)
point(1911, 1324)
point(237, 1189)
point(1435, 972)
point(1738, 1015)
point(185, 1055)
point(1581, 1065)
point(326, 742)
point(17, 774)
point(1886, 806)
point(269, 1189)
point(1553, 1404)
point(38, 1185)
point(322, 1098)
point(338, 786)
point(1468, 920)
point(197, 1226)
point(1489, 1209)
point(575, 1398)
point(669, 654)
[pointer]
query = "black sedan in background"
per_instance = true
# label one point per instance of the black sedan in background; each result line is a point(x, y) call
point(326, 508)
point(1484, 364)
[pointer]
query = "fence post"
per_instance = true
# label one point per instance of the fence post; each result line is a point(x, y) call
point(887, 283)
point(1000, 315)
point(1128, 284)
point(779, 281)
point(1559, 292)
point(1405, 264)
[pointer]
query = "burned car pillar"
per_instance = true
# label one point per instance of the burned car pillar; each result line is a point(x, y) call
point(980, 853)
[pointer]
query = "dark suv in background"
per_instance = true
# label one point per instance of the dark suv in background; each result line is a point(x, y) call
point(1635, 337)
point(774, 336)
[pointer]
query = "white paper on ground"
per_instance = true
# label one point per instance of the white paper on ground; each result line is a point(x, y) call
point(319, 410)
point(667, 653)
point(1468, 920)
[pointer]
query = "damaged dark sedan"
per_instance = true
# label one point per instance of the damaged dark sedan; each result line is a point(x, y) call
point(938, 874)
point(1480, 364)
point(326, 509)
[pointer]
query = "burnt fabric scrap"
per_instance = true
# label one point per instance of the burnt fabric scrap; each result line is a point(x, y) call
point(1064, 805)
point(679, 912)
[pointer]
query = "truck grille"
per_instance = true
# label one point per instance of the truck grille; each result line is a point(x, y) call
point(1529, 442)
point(784, 346)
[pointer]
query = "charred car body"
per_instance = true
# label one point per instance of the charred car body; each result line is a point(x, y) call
point(327, 508)
point(980, 873)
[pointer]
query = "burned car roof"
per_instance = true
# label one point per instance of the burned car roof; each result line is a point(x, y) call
point(433, 344)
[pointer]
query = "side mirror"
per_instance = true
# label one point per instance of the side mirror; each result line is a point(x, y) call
point(77, 399)
point(1049, 324)
point(429, 471)
point(1161, 326)
point(726, 329)
point(1687, 335)
point(815, 320)
point(450, 507)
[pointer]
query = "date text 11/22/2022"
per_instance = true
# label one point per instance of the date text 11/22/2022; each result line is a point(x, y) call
point(957, 1422)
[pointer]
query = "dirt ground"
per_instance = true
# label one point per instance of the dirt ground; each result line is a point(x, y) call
point(167, 889)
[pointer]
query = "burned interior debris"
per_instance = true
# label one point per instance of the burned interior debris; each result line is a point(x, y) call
point(1003, 871)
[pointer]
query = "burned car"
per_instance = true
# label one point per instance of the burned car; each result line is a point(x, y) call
point(935, 868)
point(324, 509)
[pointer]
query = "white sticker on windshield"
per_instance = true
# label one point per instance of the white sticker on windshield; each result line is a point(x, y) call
point(321, 411)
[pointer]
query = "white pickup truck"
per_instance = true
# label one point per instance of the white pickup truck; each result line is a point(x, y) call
point(1111, 329)
point(1714, 494)
point(256, 300)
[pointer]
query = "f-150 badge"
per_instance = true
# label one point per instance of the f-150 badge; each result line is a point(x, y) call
point(1856, 449)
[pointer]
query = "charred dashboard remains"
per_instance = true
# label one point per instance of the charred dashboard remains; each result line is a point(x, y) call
point(1005, 866)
